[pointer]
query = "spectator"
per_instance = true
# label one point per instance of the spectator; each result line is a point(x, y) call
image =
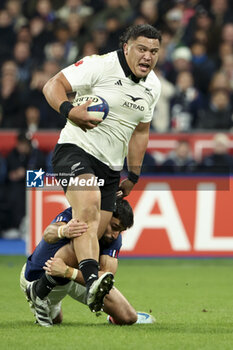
point(50, 68)
point(44, 10)
point(23, 157)
point(120, 9)
point(181, 61)
point(220, 11)
point(224, 49)
point(77, 29)
point(149, 165)
point(10, 68)
point(174, 22)
point(24, 34)
point(220, 161)
point(7, 35)
point(139, 19)
point(62, 35)
point(115, 30)
point(180, 160)
point(32, 119)
point(41, 35)
point(89, 49)
point(10, 102)
point(49, 118)
point(149, 10)
point(3, 171)
point(200, 23)
point(227, 33)
point(203, 66)
point(99, 38)
point(168, 45)
point(219, 81)
point(1, 116)
point(218, 115)
point(161, 118)
point(201, 36)
point(74, 6)
point(22, 57)
point(188, 9)
point(48, 163)
point(32, 29)
point(185, 103)
point(3, 174)
point(227, 68)
point(55, 51)
point(14, 8)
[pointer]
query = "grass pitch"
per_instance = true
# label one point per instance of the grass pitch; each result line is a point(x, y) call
point(192, 301)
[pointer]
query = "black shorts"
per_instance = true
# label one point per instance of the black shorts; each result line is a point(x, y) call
point(70, 160)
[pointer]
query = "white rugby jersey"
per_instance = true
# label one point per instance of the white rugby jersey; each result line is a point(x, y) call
point(131, 101)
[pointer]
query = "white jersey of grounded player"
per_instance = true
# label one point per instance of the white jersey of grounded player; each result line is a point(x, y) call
point(130, 100)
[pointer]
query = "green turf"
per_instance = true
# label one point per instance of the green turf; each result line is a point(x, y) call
point(192, 301)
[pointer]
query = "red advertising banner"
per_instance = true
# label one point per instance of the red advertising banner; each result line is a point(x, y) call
point(174, 217)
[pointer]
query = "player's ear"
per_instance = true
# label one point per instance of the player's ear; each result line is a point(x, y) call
point(125, 48)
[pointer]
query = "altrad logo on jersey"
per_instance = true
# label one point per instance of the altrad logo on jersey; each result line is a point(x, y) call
point(133, 105)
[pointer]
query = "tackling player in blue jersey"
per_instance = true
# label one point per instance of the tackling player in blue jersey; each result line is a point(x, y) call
point(55, 255)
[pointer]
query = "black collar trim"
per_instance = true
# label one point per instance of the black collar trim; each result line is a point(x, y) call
point(126, 69)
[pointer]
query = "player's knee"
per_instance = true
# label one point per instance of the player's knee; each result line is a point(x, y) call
point(130, 317)
point(89, 212)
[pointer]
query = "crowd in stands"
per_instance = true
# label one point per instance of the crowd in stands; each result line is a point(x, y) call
point(40, 37)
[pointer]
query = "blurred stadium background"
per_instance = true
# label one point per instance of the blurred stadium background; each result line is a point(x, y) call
point(183, 201)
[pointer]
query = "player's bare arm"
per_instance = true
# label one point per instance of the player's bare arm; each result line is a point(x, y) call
point(137, 148)
point(57, 267)
point(55, 92)
point(59, 230)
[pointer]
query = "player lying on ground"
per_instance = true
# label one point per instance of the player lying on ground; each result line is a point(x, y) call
point(59, 234)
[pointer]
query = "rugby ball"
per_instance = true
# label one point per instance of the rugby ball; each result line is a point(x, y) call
point(98, 108)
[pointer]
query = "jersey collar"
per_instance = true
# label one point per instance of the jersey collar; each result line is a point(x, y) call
point(126, 69)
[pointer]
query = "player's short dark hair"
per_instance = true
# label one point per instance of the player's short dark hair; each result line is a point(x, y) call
point(134, 31)
point(124, 212)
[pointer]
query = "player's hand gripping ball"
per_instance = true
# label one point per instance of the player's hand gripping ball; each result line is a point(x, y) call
point(98, 108)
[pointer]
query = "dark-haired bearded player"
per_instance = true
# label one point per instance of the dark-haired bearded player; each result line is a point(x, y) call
point(66, 280)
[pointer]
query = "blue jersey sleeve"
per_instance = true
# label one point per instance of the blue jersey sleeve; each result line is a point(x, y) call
point(66, 216)
point(112, 249)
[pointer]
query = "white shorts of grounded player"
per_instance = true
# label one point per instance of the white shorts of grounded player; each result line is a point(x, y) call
point(73, 289)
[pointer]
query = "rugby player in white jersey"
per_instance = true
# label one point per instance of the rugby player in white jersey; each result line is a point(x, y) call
point(126, 80)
